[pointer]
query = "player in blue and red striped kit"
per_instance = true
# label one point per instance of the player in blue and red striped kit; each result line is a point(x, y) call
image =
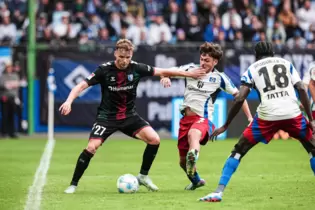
point(275, 80)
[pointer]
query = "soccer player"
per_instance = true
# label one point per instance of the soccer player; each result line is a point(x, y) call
point(311, 84)
point(199, 98)
point(275, 80)
point(119, 80)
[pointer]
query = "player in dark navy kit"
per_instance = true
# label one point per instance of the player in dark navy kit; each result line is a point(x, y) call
point(117, 112)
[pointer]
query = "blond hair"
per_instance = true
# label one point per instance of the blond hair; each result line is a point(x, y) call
point(124, 44)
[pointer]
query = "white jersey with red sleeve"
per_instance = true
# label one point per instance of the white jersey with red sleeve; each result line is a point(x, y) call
point(274, 79)
point(200, 94)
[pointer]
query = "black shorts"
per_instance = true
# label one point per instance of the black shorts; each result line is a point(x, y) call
point(129, 126)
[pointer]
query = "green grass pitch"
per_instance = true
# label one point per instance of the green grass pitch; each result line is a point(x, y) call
point(274, 176)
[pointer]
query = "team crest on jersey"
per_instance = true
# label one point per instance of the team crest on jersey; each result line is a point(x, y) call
point(212, 79)
point(130, 77)
point(200, 84)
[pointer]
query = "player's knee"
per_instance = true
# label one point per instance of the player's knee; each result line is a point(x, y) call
point(312, 147)
point(194, 135)
point(312, 141)
point(154, 140)
point(238, 152)
point(93, 146)
point(236, 155)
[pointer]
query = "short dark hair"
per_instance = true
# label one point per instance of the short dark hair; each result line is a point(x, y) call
point(124, 44)
point(211, 49)
point(263, 49)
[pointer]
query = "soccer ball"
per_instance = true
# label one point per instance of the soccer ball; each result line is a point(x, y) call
point(127, 183)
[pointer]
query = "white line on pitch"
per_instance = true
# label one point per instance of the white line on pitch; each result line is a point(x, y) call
point(34, 195)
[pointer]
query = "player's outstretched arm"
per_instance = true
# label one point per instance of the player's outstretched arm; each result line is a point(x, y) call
point(65, 108)
point(196, 73)
point(237, 104)
point(247, 112)
point(304, 99)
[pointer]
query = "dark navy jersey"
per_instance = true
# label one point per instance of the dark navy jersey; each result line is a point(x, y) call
point(119, 88)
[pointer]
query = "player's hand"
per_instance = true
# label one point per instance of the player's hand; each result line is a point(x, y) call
point(198, 73)
point(217, 132)
point(250, 120)
point(166, 82)
point(65, 108)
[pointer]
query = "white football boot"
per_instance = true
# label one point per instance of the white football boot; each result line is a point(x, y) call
point(71, 189)
point(212, 197)
point(147, 182)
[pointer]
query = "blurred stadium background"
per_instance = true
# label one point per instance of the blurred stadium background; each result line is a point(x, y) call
point(72, 37)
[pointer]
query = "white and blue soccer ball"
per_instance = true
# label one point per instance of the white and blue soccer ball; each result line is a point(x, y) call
point(127, 183)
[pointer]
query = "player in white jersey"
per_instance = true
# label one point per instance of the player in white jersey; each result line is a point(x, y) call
point(275, 80)
point(309, 79)
point(197, 108)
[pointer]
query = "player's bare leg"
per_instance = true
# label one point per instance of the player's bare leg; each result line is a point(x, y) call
point(283, 135)
point(276, 136)
point(196, 181)
point(194, 136)
point(83, 163)
point(148, 135)
point(231, 164)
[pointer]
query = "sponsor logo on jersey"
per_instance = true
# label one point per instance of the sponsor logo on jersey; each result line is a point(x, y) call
point(114, 88)
point(200, 84)
point(112, 79)
point(190, 87)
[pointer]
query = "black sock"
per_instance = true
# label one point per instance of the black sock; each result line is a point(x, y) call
point(148, 158)
point(82, 164)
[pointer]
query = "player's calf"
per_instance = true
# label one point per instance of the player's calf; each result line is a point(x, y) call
point(191, 160)
point(309, 146)
point(82, 164)
point(312, 162)
point(196, 181)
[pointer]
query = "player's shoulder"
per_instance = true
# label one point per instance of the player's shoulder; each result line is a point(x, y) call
point(269, 61)
point(133, 63)
point(311, 66)
point(107, 65)
point(220, 74)
point(189, 66)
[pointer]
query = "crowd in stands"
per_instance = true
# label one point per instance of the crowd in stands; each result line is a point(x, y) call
point(151, 22)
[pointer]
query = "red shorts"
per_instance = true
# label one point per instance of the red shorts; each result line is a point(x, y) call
point(263, 130)
point(313, 114)
point(196, 122)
